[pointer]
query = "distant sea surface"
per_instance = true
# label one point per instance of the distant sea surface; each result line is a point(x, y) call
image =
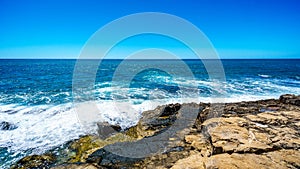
point(36, 95)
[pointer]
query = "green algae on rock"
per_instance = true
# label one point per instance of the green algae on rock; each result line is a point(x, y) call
point(35, 161)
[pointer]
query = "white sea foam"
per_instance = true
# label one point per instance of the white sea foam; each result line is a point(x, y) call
point(39, 127)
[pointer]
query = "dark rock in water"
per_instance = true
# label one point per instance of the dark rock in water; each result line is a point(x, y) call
point(290, 99)
point(116, 127)
point(286, 97)
point(35, 161)
point(7, 126)
point(170, 109)
point(77, 151)
point(10, 111)
point(153, 121)
point(105, 129)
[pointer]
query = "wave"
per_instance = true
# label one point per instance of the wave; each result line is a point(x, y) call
point(264, 76)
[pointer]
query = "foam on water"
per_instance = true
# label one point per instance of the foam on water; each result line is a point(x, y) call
point(39, 128)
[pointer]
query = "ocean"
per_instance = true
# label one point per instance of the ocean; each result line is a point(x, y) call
point(37, 99)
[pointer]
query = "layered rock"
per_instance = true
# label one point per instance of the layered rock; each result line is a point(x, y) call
point(277, 159)
point(258, 134)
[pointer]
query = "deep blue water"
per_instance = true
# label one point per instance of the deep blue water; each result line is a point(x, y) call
point(37, 82)
point(36, 95)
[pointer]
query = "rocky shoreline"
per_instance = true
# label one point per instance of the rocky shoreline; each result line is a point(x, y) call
point(256, 134)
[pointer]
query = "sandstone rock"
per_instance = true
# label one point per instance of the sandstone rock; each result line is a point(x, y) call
point(277, 159)
point(191, 162)
point(282, 159)
point(227, 135)
point(200, 143)
point(236, 161)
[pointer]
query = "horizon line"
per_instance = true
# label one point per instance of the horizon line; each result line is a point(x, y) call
point(149, 59)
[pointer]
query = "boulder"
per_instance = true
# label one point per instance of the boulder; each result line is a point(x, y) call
point(154, 121)
point(4, 125)
point(290, 99)
point(105, 129)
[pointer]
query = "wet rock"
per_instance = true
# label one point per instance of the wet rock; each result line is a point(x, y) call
point(105, 130)
point(4, 125)
point(79, 149)
point(35, 161)
point(170, 109)
point(86, 145)
point(290, 99)
point(154, 121)
point(108, 159)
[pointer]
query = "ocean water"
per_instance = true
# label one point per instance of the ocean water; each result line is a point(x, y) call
point(36, 96)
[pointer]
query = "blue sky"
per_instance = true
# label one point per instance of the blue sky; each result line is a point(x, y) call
point(237, 28)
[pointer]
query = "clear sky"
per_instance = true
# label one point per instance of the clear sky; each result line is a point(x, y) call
point(237, 28)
